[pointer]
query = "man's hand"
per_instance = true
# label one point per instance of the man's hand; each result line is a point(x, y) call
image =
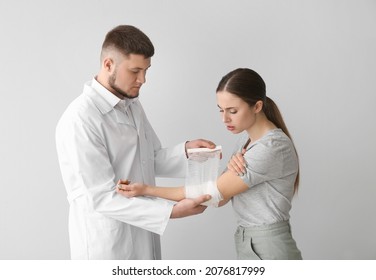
point(189, 207)
point(198, 143)
point(237, 163)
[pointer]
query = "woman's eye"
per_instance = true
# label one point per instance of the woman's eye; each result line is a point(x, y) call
point(233, 112)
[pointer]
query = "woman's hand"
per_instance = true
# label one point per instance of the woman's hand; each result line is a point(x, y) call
point(237, 163)
point(125, 188)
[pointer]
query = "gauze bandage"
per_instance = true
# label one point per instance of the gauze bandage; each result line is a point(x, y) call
point(202, 173)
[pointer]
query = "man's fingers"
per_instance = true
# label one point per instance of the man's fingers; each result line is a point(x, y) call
point(201, 143)
point(201, 199)
point(208, 144)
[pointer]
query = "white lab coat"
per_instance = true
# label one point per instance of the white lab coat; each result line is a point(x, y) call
point(100, 141)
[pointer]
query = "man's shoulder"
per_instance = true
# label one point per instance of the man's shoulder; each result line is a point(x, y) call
point(82, 108)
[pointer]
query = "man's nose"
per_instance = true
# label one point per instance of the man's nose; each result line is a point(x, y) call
point(141, 77)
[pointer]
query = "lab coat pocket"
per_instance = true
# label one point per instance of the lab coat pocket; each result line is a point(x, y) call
point(101, 222)
point(104, 238)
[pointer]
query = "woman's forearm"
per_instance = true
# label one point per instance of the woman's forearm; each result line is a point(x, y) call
point(170, 193)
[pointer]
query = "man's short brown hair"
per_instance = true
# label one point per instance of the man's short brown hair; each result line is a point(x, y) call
point(127, 40)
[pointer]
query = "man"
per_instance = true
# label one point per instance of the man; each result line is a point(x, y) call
point(104, 136)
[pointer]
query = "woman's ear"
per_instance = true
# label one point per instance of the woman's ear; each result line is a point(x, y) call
point(258, 106)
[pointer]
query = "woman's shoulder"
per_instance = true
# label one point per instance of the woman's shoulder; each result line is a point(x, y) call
point(274, 142)
point(275, 138)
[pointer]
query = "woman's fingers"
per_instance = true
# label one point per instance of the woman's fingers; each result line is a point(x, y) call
point(237, 164)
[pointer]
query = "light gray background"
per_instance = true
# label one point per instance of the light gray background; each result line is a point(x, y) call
point(318, 59)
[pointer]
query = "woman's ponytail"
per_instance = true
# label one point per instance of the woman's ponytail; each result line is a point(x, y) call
point(274, 115)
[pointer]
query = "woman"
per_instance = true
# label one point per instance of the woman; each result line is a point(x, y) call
point(262, 194)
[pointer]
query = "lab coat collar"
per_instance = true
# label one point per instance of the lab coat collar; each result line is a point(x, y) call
point(103, 98)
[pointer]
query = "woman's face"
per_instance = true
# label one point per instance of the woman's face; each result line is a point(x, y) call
point(236, 114)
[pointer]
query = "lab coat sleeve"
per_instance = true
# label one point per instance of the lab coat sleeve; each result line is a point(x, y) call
point(85, 164)
point(169, 162)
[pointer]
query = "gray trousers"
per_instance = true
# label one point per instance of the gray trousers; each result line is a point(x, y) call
point(266, 242)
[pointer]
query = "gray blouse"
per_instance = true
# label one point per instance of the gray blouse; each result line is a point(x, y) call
point(272, 167)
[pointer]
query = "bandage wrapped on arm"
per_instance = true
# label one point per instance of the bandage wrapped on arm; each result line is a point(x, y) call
point(211, 188)
point(202, 173)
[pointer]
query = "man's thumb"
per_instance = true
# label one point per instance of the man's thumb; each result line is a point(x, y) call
point(202, 198)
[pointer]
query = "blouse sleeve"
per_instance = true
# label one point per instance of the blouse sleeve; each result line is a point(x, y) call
point(263, 164)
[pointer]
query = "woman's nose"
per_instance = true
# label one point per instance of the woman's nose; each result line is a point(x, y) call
point(225, 118)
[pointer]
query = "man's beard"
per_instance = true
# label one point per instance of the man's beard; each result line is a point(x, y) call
point(112, 81)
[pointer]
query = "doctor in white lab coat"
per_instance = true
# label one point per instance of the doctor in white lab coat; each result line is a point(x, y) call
point(104, 136)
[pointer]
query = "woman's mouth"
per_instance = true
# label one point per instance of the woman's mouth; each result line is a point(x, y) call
point(231, 128)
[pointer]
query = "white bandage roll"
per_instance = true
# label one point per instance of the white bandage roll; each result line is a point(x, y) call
point(202, 173)
point(210, 188)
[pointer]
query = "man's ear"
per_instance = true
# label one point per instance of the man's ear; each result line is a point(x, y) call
point(108, 64)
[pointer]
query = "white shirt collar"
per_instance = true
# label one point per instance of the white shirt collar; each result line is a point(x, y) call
point(109, 97)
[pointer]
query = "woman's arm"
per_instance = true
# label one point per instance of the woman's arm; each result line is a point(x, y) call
point(228, 185)
point(131, 190)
